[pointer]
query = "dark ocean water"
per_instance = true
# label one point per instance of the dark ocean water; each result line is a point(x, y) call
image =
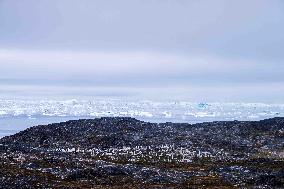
point(12, 125)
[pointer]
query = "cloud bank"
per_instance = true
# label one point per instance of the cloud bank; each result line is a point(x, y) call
point(198, 50)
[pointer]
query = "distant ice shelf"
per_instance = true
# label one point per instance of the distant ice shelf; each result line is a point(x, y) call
point(176, 111)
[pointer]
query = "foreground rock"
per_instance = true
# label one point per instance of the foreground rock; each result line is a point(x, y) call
point(128, 153)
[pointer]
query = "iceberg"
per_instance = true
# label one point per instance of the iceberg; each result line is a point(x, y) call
point(145, 109)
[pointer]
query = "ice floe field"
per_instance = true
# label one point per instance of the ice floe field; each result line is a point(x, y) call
point(18, 114)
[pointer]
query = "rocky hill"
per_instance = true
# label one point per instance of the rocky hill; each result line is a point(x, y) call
point(127, 153)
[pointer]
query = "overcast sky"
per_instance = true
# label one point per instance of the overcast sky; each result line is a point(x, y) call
point(199, 50)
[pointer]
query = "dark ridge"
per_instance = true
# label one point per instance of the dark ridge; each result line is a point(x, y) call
point(121, 131)
point(123, 152)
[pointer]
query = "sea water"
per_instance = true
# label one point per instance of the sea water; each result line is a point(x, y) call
point(17, 115)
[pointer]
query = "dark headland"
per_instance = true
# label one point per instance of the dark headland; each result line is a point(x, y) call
point(128, 153)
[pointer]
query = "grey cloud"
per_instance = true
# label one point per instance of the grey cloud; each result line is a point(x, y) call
point(137, 43)
point(233, 28)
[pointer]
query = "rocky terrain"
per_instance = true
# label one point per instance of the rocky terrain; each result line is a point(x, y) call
point(123, 152)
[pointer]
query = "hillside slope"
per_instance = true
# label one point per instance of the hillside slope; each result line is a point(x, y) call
point(125, 152)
